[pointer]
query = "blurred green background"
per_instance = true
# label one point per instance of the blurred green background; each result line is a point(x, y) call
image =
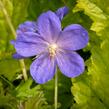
point(88, 91)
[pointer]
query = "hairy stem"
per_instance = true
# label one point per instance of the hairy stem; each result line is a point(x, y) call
point(8, 20)
point(56, 91)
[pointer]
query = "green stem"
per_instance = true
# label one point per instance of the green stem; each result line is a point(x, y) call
point(23, 67)
point(56, 91)
point(22, 64)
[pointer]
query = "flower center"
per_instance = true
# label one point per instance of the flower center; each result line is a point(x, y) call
point(52, 49)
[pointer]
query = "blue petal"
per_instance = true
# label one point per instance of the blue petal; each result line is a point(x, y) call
point(70, 63)
point(27, 49)
point(73, 37)
point(49, 26)
point(61, 12)
point(28, 26)
point(30, 37)
point(17, 56)
point(43, 69)
point(29, 44)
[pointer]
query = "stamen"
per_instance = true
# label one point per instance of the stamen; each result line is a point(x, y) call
point(52, 49)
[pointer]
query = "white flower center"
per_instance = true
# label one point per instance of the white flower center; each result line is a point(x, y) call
point(52, 49)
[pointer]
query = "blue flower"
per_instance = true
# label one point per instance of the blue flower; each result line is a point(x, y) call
point(52, 45)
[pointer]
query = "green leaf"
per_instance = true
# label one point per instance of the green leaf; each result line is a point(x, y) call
point(24, 90)
point(37, 102)
point(84, 95)
point(94, 12)
point(32, 94)
point(9, 67)
point(90, 90)
point(7, 101)
point(20, 11)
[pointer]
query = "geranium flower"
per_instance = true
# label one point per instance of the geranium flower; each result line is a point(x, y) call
point(52, 45)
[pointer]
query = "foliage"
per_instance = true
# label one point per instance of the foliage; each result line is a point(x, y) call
point(91, 90)
point(88, 91)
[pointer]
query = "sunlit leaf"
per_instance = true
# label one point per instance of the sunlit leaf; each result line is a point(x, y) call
point(93, 92)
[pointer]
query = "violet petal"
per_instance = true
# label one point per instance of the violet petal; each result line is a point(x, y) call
point(28, 26)
point(49, 26)
point(30, 37)
point(73, 37)
point(43, 69)
point(61, 12)
point(70, 64)
point(28, 49)
point(17, 56)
